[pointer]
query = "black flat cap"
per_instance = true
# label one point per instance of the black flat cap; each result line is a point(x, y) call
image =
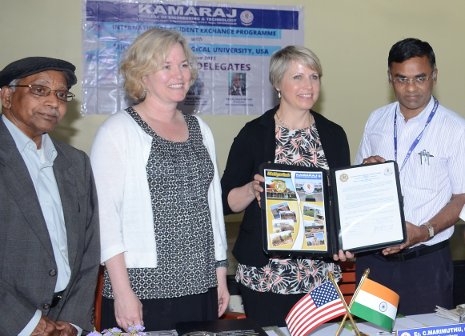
point(32, 65)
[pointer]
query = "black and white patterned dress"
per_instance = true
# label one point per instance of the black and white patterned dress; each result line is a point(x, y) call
point(301, 147)
point(179, 175)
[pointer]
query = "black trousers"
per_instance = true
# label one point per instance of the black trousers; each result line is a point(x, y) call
point(422, 282)
point(163, 314)
point(267, 309)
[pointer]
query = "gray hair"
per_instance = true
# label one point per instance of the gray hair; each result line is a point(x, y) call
point(12, 83)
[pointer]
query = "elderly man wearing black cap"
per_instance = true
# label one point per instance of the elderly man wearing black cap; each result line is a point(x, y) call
point(49, 240)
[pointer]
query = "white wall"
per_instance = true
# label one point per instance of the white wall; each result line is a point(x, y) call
point(351, 37)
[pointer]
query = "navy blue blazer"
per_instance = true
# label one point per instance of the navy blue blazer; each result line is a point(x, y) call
point(254, 145)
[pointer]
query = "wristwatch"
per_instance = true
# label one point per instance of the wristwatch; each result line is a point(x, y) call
point(430, 229)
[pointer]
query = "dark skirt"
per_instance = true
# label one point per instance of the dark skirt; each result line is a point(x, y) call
point(267, 308)
point(163, 314)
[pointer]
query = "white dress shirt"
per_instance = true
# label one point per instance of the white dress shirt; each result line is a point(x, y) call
point(427, 181)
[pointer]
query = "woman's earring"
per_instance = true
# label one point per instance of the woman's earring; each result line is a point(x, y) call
point(279, 94)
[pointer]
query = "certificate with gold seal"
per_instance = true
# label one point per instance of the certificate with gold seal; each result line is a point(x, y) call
point(317, 212)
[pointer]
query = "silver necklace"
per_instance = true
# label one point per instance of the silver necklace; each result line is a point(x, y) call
point(280, 122)
point(285, 125)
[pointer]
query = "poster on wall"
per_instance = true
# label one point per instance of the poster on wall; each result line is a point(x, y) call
point(233, 44)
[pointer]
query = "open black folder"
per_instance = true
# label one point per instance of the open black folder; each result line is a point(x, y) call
point(311, 211)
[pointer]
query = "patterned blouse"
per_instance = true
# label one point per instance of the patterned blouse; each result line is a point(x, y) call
point(179, 175)
point(301, 147)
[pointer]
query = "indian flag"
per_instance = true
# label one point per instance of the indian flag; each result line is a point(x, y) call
point(376, 304)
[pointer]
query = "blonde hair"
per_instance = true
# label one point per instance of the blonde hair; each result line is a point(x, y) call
point(281, 59)
point(147, 54)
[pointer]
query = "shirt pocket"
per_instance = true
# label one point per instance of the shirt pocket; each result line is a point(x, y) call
point(430, 173)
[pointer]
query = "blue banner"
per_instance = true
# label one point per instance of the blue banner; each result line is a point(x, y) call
point(233, 45)
point(162, 13)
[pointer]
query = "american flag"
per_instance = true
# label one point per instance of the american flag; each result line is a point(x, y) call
point(317, 307)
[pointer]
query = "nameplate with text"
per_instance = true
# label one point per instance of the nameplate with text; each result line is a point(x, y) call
point(447, 330)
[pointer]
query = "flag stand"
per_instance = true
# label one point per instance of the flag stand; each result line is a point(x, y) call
point(348, 314)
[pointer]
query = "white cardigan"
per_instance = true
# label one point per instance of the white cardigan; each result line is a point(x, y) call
point(119, 155)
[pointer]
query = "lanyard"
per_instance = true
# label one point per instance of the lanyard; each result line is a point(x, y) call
point(418, 138)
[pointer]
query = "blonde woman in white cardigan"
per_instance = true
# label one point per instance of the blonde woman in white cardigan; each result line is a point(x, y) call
point(162, 228)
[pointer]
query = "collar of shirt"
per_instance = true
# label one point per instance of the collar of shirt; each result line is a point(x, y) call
point(421, 117)
point(23, 142)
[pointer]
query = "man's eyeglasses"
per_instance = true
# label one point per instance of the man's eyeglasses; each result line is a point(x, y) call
point(417, 80)
point(44, 91)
